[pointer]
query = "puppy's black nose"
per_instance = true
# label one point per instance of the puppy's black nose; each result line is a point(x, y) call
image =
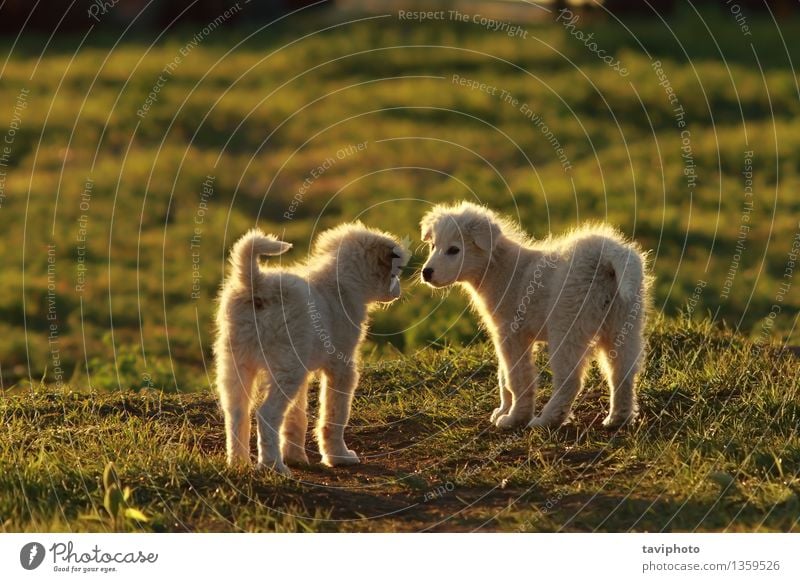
point(427, 273)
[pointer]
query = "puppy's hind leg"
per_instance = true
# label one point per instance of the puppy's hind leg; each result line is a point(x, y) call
point(336, 395)
point(622, 360)
point(282, 389)
point(293, 433)
point(234, 385)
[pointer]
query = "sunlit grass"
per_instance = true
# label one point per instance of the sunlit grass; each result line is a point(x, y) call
point(717, 448)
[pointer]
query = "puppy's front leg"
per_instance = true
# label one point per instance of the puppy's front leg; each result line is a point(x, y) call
point(521, 373)
point(505, 394)
point(336, 394)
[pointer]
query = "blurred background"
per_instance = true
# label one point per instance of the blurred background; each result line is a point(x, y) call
point(139, 139)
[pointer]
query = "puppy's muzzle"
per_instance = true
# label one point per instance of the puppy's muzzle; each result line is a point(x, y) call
point(427, 274)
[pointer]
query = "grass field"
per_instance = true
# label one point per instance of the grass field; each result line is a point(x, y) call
point(717, 449)
point(133, 165)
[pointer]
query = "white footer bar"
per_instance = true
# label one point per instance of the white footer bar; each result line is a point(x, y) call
point(390, 557)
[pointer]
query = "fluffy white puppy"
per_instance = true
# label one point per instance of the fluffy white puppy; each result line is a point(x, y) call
point(582, 291)
point(276, 326)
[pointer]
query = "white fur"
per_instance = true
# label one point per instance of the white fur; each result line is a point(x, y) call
point(582, 291)
point(276, 326)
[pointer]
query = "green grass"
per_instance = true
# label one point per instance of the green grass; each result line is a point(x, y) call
point(717, 449)
point(387, 83)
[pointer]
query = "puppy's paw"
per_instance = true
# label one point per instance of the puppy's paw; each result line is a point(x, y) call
point(238, 462)
point(276, 466)
point(619, 420)
point(295, 456)
point(506, 421)
point(497, 413)
point(348, 458)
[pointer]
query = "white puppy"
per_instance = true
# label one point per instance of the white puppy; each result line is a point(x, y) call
point(276, 326)
point(584, 290)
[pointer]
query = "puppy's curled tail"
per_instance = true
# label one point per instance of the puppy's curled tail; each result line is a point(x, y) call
point(245, 253)
point(629, 270)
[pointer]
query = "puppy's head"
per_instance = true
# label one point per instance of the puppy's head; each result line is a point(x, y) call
point(461, 240)
point(366, 258)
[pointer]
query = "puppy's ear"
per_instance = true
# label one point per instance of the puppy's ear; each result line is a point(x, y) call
point(381, 257)
point(426, 227)
point(485, 233)
point(385, 257)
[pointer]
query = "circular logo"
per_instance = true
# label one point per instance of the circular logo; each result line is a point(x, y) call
point(31, 555)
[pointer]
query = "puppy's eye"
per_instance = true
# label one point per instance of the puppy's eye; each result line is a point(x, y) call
point(453, 251)
point(395, 256)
